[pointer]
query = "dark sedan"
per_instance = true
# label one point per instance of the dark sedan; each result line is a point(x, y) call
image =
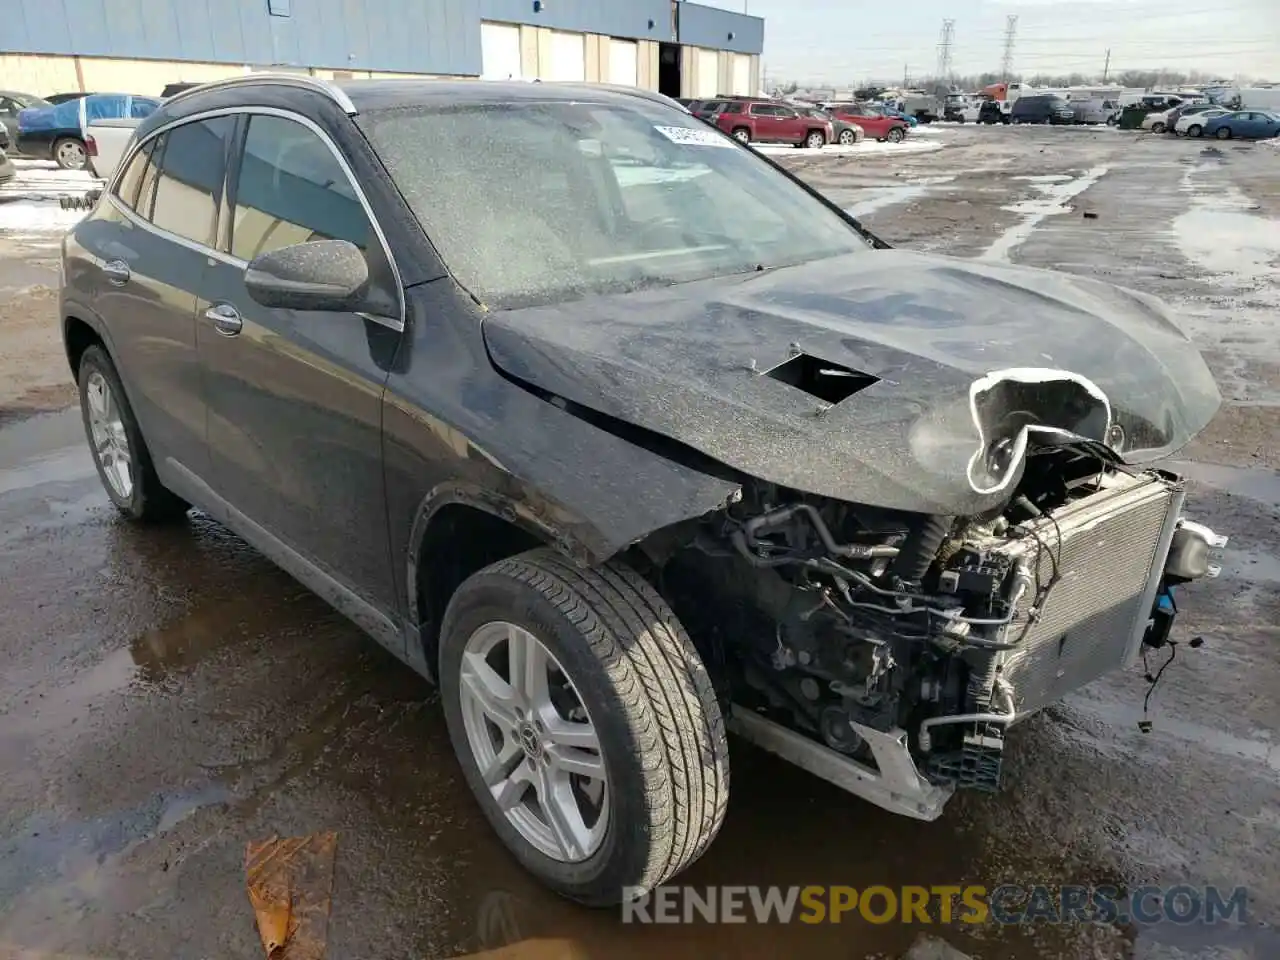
point(627, 437)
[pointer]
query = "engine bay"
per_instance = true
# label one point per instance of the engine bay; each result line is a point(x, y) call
point(842, 622)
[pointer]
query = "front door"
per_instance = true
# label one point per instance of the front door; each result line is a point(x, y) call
point(295, 397)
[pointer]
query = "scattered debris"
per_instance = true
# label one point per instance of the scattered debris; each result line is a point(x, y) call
point(933, 948)
point(1090, 215)
point(290, 885)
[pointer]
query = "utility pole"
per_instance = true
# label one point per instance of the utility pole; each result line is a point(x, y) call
point(1106, 67)
point(905, 81)
point(944, 50)
point(1010, 35)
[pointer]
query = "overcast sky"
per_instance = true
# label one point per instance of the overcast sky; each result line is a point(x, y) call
point(845, 41)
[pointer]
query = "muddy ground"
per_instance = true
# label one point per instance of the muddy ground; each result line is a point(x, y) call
point(167, 695)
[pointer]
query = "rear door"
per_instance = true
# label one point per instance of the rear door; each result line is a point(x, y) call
point(295, 397)
point(151, 243)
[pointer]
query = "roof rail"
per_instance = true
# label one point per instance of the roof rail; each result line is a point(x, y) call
point(306, 81)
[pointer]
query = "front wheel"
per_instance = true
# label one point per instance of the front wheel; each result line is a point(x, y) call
point(1224, 133)
point(1157, 128)
point(119, 452)
point(1195, 130)
point(585, 723)
point(70, 154)
point(742, 135)
point(895, 135)
point(847, 138)
point(815, 140)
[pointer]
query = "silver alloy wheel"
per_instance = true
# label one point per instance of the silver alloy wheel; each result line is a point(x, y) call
point(533, 742)
point(814, 141)
point(71, 155)
point(110, 441)
point(742, 136)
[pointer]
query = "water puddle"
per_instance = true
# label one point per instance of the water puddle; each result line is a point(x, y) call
point(1251, 483)
point(872, 199)
point(1054, 199)
point(47, 448)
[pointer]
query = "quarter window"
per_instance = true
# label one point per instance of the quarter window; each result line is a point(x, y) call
point(292, 189)
point(131, 179)
point(189, 184)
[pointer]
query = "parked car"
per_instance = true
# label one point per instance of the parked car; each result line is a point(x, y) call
point(1095, 110)
point(57, 98)
point(897, 114)
point(1041, 108)
point(13, 103)
point(105, 144)
point(1192, 124)
point(1166, 121)
point(7, 169)
point(767, 121)
point(966, 111)
point(57, 132)
point(875, 123)
point(572, 453)
point(5, 142)
point(991, 112)
point(173, 89)
point(1246, 124)
point(844, 132)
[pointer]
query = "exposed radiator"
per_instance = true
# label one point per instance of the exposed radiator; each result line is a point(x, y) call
point(1113, 548)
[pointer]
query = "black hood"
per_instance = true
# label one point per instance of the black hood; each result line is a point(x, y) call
point(912, 332)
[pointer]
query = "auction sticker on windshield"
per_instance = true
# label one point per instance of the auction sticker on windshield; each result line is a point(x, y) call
point(695, 138)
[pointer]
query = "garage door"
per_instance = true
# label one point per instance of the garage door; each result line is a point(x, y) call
point(742, 75)
point(500, 51)
point(708, 74)
point(568, 57)
point(624, 62)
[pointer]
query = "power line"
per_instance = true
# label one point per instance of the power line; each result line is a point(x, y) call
point(1010, 35)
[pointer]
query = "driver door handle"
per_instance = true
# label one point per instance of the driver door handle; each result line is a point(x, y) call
point(225, 318)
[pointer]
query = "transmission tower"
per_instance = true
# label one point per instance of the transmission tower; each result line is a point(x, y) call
point(1010, 35)
point(944, 50)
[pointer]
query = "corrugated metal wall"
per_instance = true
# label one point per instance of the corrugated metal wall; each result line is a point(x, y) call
point(701, 26)
point(415, 36)
point(411, 36)
point(616, 18)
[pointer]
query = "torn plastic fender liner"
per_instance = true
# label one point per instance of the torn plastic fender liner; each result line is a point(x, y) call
point(1008, 406)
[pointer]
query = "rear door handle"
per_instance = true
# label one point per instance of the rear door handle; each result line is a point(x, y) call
point(117, 272)
point(226, 319)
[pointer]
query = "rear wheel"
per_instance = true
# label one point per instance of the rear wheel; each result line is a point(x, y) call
point(895, 135)
point(70, 154)
point(1224, 133)
point(847, 138)
point(1157, 127)
point(742, 135)
point(119, 452)
point(1195, 130)
point(585, 723)
point(815, 139)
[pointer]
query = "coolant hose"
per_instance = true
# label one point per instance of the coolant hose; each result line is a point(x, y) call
point(923, 542)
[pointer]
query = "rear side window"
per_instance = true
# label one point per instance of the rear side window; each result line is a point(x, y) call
point(732, 107)
point(189, 182)
point(292, 189)
point(131, 179)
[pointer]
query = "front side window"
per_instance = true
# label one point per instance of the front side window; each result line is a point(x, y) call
point(292, 189)
point(189, 178)
point(576, 199)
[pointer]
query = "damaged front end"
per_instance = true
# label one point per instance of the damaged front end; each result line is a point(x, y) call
point(889, 652)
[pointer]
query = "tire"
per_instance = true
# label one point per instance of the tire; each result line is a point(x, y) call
point(815, 140)
point(1195, 131)
point(144, 498)
point(69, 153)
point(1157, 127)
point(645, 692)
point(847, 138)
point(1223, 133)
point(895, 135)
point(742, 135)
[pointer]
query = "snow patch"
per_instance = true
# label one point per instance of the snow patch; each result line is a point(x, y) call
point(1054, 201)
point(868, 148)
point(25, 219)
point(877, 198)
point(1220, 235)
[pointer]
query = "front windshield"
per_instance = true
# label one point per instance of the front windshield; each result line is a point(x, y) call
point(543, 202)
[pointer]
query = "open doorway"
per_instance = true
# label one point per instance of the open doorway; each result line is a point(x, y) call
point(669, 57)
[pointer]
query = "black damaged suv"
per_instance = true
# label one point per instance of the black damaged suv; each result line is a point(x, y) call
point(625, 437)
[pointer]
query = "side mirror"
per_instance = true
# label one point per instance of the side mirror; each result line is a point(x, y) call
point(329, 275)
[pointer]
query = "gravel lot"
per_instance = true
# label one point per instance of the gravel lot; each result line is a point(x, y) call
point(167, 695)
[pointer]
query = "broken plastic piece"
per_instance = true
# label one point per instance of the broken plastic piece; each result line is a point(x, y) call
point(290, 885)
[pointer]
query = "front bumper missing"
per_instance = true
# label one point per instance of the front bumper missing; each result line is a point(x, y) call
point(897, 786)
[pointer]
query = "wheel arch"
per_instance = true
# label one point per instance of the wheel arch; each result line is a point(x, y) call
point(460, 529)
point(80, 331)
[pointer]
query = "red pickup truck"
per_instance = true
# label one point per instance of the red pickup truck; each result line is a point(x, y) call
point(767, 121)
point(876, 124)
